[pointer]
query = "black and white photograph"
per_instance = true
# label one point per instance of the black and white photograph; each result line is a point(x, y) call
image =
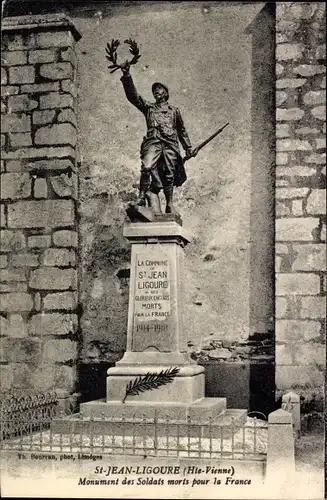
point(163, 249)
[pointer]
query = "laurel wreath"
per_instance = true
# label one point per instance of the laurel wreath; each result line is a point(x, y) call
point(150, 381)
point(111, 51)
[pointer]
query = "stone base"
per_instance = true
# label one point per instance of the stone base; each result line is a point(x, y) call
point(186, 388)
point(140, 214)
point(199, 411)
point(146, 214)
point(205, 418)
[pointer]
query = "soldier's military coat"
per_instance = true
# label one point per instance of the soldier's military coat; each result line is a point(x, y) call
point(160, 147)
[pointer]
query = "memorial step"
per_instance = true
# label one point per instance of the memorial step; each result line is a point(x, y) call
point(230, 421)
point(208, 417)
point(199, 411)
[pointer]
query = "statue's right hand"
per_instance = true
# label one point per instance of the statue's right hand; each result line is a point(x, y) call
point(125, 67)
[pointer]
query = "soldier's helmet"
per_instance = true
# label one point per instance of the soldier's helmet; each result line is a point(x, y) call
point(159, 84)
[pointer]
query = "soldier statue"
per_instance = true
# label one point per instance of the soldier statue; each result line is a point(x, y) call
point(162, 166)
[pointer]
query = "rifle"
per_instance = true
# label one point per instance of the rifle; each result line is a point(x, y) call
point(205, 142)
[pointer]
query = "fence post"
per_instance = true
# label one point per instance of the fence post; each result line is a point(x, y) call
point(63, 401)
point(280, 469)
point(291, 403)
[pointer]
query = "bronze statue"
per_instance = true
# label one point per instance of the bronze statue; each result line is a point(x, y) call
point(162, 166)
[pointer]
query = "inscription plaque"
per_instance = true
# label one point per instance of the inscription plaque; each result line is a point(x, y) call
point(152, 300)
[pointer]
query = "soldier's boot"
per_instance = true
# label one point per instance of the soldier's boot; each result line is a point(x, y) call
point(144, 188)
point(154, 202)
point(169, 192)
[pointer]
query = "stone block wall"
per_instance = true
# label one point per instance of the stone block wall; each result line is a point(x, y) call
point(39, 221)
point(39, 233)
point(301, 199)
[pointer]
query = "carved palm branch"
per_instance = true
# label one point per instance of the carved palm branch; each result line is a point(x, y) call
point(150, 381)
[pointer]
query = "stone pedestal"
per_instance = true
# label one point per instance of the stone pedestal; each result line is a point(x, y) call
point(157, 332)
point(156, 342)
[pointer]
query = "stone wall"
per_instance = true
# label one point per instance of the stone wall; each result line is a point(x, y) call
point(229, 264)
point(39, 237)
point(300, 199)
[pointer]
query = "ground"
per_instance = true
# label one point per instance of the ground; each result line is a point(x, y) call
point(309, 477)
point(309, 456)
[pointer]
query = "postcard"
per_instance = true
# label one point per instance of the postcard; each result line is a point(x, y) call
point(163, 229)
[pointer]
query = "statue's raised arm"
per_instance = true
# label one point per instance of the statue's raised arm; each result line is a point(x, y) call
point(127, 81)
point(130, 89)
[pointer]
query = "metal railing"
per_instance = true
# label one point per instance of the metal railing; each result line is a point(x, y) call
point(20, 415)
point(42, 428)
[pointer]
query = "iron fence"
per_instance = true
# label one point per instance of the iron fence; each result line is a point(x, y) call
point(22, 415)
point(37, 426)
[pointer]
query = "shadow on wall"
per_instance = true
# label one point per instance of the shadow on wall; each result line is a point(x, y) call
point(262, 224)
point(19, 8)
point(262, 211)
point(248, 386)
point(93, 381)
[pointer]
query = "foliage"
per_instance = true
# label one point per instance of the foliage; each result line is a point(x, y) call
point(111, 50)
